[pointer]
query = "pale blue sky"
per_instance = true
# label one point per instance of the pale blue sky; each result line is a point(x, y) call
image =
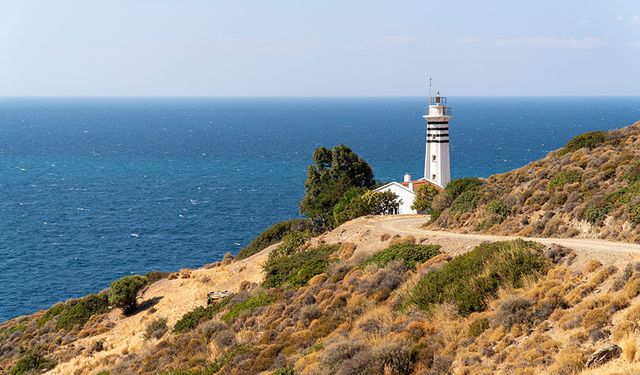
point(320, 48)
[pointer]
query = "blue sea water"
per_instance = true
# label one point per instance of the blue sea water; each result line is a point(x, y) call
point(94, 189)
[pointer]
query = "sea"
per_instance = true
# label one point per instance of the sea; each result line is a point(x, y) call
point(92, 189)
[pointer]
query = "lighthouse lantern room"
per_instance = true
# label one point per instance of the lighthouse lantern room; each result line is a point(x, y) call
point(436, 162)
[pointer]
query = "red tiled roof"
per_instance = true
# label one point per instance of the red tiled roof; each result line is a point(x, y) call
point(420, 182)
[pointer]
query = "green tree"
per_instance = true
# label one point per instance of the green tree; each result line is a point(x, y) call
point(334, 173)
point(358, 202)
point(124, 292)
point(424, 197)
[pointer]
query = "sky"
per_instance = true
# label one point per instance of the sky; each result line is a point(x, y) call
point(319, 48)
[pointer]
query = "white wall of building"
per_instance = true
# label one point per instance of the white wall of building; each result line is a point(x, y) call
point(405, 196)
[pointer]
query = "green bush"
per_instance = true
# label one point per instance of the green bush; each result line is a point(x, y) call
point(76, 312)
point(634, 213)
point(595, 214)
point(458, 186)
point(478, 326)
point(124, 292)
point(469, 279)
point(156, 329)
point(274, 234)
point(563, 178)
point(200, 314)
point(466, 201)
point(409, 254)
point(31, 361)
point(424, 198)
point(633, 172)
point(589, 140)
point(499, 209)
point(359, 202)
point(249, 305)
point(295, 269)
point(225, 358)
point(291, 243)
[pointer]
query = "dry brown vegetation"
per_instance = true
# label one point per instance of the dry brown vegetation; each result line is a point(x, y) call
point(357, 318)
point(592, 191)
point(359, 300)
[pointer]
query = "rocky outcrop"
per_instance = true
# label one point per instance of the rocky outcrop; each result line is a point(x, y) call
point(604, 355)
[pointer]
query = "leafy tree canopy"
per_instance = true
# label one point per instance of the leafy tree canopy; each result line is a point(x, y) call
point(334, 173)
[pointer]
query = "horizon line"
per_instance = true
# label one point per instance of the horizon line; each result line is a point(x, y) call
point(299, 96)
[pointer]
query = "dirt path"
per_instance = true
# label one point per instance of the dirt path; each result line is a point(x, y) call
point(605, 251)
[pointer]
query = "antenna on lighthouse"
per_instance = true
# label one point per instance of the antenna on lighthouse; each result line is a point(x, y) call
point(430, 83)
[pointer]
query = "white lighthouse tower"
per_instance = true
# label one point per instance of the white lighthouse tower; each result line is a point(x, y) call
point(436, 161)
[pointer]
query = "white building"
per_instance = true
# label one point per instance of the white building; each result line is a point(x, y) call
point(437, 169)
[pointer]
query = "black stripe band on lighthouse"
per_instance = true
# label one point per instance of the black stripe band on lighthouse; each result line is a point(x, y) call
point(437, 168)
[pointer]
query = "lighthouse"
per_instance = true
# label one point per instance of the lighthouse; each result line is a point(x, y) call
point(436, 161)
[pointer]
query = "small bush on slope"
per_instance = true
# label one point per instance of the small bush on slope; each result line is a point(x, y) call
point(156, 329)
point(249, 305)
point(295, 269)
point(469, 279)
point(76, 312)
point(458, 186)
point(194, 317)
point(409, 254)
point(274, 234)
point(589, 140)
point(31, 361)
point(124, 292)
point(563, 178)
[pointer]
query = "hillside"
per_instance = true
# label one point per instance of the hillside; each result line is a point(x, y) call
point(387, 295)
point(590, 188)
point(364, 300)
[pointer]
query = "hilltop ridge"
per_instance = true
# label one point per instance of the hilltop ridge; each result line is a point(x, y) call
point(589, 188)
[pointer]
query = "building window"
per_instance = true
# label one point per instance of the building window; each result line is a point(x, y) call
point(433, 177)
point(433, 158)
point(433, 136)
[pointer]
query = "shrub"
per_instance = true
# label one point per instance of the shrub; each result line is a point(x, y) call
point(466, 201)
point(563, 178)
point(595, 214)
point(291, 243)
point(200, 314)
point(589, 140)
point(478, 326)
point(468, 279)
point(634, 213)
point(359, 202)
point(514, 310)
point(633, 173)
point(295, 269)
point(225, 358)
point(409, 254)
point(499, 209)
point(424, 198)
point(458, 186)
point(346, 207)
point(76, 312)
point(274, 234)
point(156, 329)
point(31, 360)
point(124, 292)
point(79, 312)
point(249, 305)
